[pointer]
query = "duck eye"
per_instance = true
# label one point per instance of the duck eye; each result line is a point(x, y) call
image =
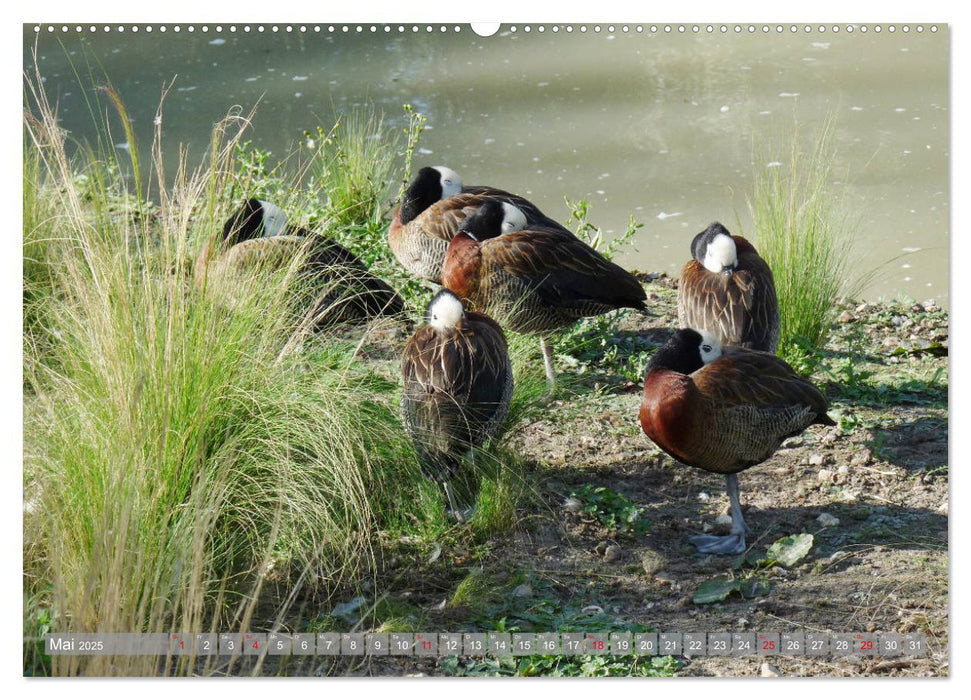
point(706, 348)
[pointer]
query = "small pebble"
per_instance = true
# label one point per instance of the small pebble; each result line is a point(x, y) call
point(846, 317)
point(816, 459)
point(523, 590)
point(722, 521)
point(613, 553)
point(769, 671)
point(827, 520)
point(824, 475)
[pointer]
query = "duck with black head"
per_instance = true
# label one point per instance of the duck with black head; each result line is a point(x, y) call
point(532, 278)
point(259, 233)
point(724, 410)
point(434, 205)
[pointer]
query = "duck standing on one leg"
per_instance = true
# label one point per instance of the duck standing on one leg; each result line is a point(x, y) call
point(457, 387)
point(433, 207)
point(727, 289)
point(724, 410)
point(534, 280)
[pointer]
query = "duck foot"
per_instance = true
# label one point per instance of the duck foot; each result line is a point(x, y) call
point(462, 515)
point(713, 544)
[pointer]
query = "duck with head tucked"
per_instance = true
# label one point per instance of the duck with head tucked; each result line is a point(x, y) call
point(432, 209)
point(724, 410)
point(533, 278)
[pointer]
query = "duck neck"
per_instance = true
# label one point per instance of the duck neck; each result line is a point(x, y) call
point(676, 359)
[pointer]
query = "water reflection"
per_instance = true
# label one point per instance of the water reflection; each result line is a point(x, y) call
point(668, 127)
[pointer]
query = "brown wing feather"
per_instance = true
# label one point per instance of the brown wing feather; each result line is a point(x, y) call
point(564, 270)
point(749, 377)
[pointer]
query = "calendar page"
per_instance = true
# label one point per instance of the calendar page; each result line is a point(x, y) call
point(519, 349)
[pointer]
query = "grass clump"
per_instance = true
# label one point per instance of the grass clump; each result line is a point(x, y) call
point(178, 456)
point(806, 238)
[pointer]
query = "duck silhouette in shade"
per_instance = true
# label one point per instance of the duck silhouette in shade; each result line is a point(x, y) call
point(531, 278)
point(434, 205)
point(458, 383)
point(727, 289)
point(258, 233)
point(724, 410)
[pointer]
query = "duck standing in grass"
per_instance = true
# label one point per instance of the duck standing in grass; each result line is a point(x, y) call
point(433, 207)
point(457, 387)
point(724, 410)
point(535, 279)
point(727, 289)
point(258, 233)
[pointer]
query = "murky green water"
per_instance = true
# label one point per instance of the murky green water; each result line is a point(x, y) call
point(661, 126)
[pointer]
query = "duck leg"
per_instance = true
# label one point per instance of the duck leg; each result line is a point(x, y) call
point(460, 514)
point(734, 542)
point(547, 349)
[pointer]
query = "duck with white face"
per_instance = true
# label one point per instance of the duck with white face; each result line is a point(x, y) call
point(258, 236)
point(432, 209)
point(458, 383)
point(728, 290)
point(534, 279)
point(724, 410)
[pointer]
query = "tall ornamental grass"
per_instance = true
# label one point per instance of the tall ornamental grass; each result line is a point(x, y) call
point(806, 237)
point(179, 454)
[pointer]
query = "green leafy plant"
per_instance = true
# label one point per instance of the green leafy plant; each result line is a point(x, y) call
point(612, 510)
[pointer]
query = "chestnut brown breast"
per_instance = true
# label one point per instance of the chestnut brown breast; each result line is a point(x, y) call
point(732, 413)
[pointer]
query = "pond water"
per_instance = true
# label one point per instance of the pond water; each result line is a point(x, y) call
point(666, 126)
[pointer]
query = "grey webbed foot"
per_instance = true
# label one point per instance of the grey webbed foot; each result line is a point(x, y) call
point(713, 544)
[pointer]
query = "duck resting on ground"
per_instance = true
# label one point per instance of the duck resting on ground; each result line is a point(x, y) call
point(535, 279)
point(724, 410)
point(727, 289)
point(433, 207)
point(457, 387)
point(258, 233)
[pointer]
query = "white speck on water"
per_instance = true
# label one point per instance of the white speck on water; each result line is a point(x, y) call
point(542, 84)
point(603, 175)
point(520, 143)
point(904, 50)
point(125, 146)
point(908, 279)
point(906, 152)
point(765, 111)
point(536, 159)
point(820, 44)
point(600, 192)
point(916, 119)
point(900, 109)
point(929, 284)
point(301, 77)
point(186, 89)
point(116, 51)
point(906, 266)
point(774, 164)
point(910, 250)
point(928, 146)
point(664, 151)
point(664, 215)
point(425, 151)
point(488, 141)
point(856, 109)
point(217, 42)
point(808, 59)
point(539, 172)
point(252, 80)
point(724, 108)
point(788, 94)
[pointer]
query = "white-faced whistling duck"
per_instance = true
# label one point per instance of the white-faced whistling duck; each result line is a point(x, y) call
point(431, 210)
point(258, 234)
point(728, 290)
point(724, 410)
point(533, 280)
point(457, 386)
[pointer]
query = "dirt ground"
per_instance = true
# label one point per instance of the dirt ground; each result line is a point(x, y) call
point(873, 493)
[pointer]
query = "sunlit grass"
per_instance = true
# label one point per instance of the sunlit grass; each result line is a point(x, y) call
point(805, 235)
